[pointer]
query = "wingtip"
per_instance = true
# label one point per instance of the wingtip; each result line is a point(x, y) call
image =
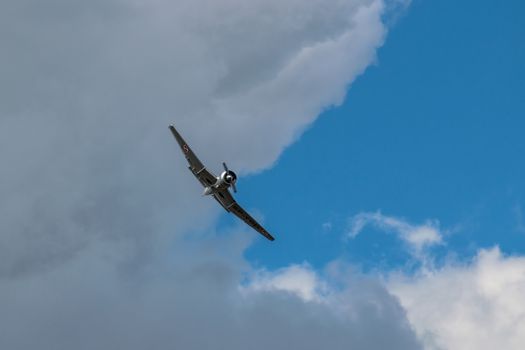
point(173, 130)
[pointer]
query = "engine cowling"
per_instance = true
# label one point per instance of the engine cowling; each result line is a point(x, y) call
point(228, 177)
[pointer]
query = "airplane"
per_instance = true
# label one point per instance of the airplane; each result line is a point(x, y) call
point(217, 186)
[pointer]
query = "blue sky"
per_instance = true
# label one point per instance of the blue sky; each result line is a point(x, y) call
point(434, 130)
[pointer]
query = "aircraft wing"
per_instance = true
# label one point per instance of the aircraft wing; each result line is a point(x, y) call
point(226, 200)
point(197, 168)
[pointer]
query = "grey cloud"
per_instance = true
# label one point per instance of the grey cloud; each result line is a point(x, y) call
point(87, 304)
point(94, 197)
point(89, 88)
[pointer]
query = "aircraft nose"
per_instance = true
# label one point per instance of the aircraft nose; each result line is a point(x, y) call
point(232, 177)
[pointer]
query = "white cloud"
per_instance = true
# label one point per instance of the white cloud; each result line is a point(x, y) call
point(474, 305)
point(418, 237)
point(327, 226)
point(478, 305)
point(518, 216)
point(300, 280)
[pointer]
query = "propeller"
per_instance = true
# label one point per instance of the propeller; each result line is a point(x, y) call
point(233, 182)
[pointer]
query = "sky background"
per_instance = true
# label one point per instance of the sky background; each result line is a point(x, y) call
point(379, 141)
point(433, 130)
